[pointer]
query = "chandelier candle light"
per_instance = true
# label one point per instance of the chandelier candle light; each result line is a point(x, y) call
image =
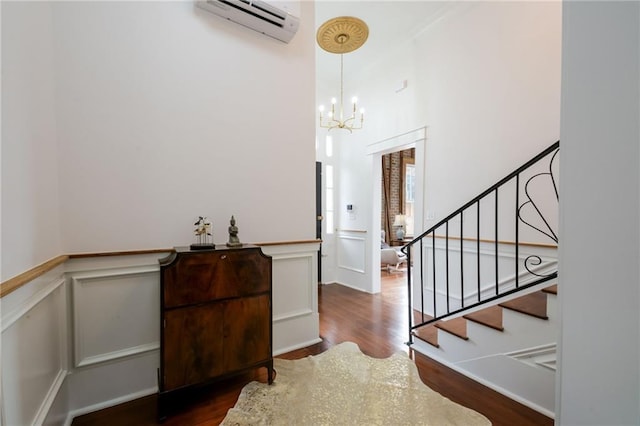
point(342, 35)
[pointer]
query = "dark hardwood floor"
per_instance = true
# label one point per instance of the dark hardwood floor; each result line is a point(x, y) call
point(378, 324)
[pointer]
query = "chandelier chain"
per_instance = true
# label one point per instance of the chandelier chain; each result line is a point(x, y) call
point(341, 86)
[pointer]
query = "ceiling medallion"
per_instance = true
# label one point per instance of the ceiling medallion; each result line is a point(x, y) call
point(342, 35)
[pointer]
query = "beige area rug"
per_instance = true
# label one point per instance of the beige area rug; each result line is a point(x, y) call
point(342, 386)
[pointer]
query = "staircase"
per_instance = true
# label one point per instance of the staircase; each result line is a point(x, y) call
point(483, 296)
point(533, 304)
point(509, 347)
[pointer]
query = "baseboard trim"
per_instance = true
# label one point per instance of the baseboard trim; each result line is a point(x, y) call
point(298, 346)
point(351, 287)
point(293, 315)
point(110, 403)
point(44, 408)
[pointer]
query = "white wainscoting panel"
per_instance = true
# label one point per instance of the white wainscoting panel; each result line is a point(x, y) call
point(107, 384)
point(506, 272)
point(291, 296)
point(351, 253)
point(296, 322)
point(109, 306)
point(115, 314)
point(34, 345)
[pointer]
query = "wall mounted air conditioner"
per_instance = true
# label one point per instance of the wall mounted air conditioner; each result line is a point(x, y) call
point(279, 20)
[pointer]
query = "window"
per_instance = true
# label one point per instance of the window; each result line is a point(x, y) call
point(409, 193)
point(329, 146)
point(329, 209)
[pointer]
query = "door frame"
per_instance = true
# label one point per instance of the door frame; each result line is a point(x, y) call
point(413, 139)
point(319, 214)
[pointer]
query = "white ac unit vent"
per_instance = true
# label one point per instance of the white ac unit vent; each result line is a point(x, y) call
point(279, 20)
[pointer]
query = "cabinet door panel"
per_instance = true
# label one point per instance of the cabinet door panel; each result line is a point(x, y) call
point(214, 275)
point(247, 332)
point(245, 274)
point(190, 279)
point(192, 345)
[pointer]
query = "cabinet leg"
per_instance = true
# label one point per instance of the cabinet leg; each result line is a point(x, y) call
point(162, 412)
point(271, 373)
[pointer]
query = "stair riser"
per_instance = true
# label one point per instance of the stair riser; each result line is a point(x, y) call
point(552, 306)
point(487, 341)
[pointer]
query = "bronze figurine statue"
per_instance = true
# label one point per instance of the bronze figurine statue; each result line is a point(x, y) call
point(234, 241)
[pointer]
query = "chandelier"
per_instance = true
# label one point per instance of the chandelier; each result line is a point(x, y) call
point(342, 35)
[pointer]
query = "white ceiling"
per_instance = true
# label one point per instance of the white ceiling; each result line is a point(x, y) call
point(390, 23)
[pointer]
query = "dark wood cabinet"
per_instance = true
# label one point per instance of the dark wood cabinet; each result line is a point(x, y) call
point(216, 314)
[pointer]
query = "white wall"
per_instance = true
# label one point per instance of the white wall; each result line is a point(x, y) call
point(484, 80)
point(163, 112)
point(489, 90)
point(599, 370)
point(30, 197)
point(166, 112)
point(122, 122)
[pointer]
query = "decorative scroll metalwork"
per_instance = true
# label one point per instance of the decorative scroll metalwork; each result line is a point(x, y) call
point(549, 232)
point(535, 260)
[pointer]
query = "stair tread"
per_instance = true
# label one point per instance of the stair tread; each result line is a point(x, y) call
point(553, 289)
point(419, 318)
point(490, 317)
point(534, 304)
point(428, 333)
point(455, 326)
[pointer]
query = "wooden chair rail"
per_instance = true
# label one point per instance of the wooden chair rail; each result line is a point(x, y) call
point(505, 242)
point(12, 284)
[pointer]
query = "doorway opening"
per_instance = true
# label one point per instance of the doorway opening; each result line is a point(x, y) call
point(397, 215)
point(389, 211)
point(398, 196)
